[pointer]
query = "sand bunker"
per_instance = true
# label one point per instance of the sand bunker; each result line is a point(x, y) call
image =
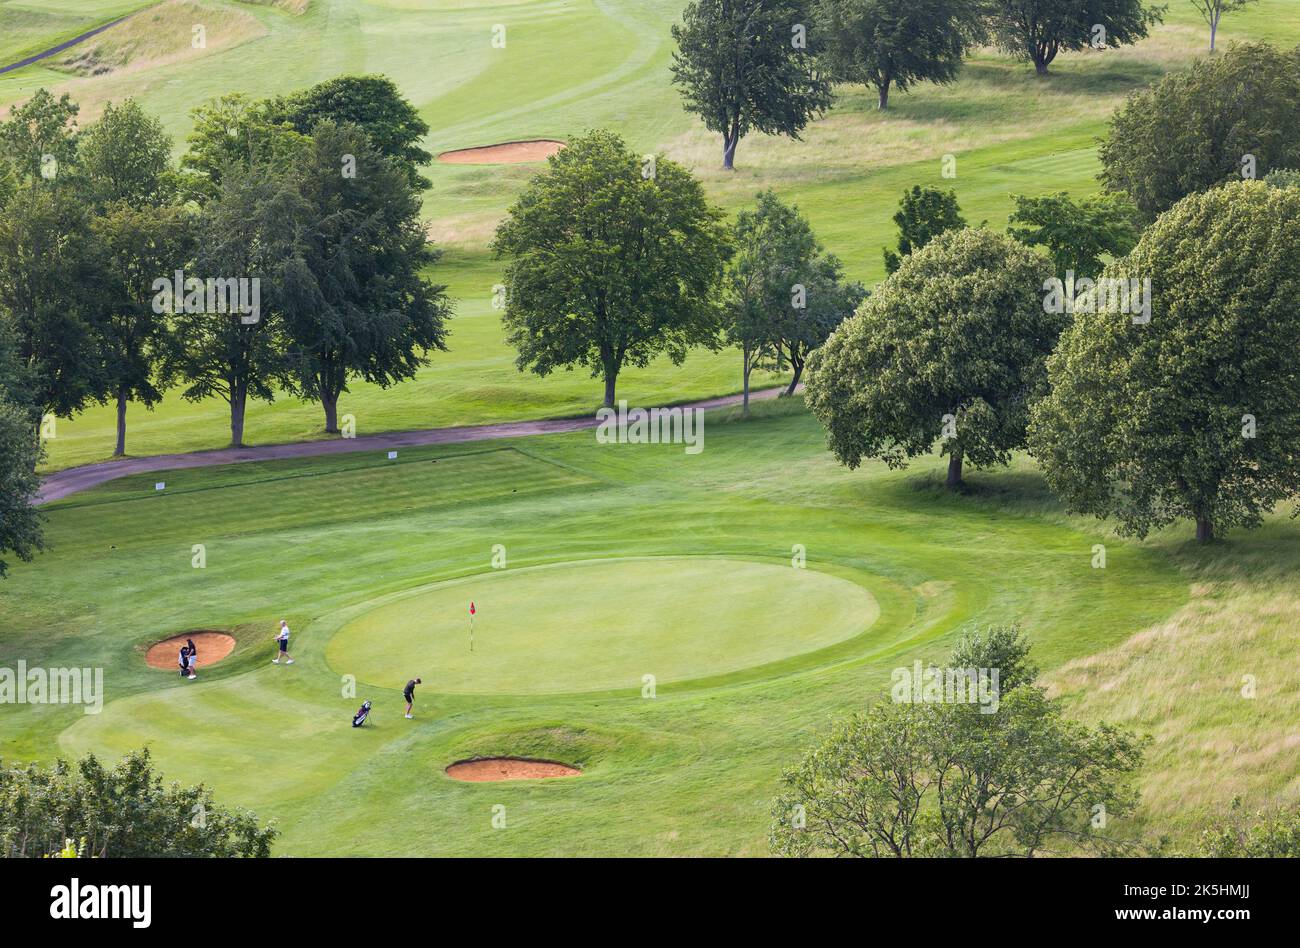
point(507, 153)
point(486, 769)
point(212, 646)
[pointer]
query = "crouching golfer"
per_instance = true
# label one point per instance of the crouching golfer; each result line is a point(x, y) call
point(191, 659)
point(283, 638)
point(185, 660)
point(409, 694)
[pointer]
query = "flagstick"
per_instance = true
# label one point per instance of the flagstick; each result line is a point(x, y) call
point(471, 632)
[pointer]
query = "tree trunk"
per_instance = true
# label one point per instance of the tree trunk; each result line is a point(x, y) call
point(798, 373)
point(1214, 28)
point(238, 402)
point(330, 402)
point(120, 450)
point(1204, 529)
point(611, 377)
point(745, 373)
point(1040, 67)
point(729, 152)
point(954, 471)
point(883, 89)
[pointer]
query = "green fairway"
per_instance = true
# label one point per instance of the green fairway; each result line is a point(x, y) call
point(374, 562)
point(570, 65)
point(600, 626)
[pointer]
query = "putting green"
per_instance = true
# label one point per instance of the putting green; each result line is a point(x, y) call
point(599, 625)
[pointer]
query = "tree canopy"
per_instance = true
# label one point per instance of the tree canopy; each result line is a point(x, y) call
point(747, 65)
point(1233, 115)
point(1076, 234)
point(611, 262)
point(923, 214)
point(1037, 30)
point(951, 347)
point(894, 44)
point(1196, 412)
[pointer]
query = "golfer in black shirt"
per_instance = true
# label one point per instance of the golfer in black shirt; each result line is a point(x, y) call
point(409, 694)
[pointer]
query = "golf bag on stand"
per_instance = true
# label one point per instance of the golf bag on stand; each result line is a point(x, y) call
point(363, 712)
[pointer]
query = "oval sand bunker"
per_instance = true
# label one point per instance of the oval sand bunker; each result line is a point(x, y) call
point(507, 153)
point(212, 646)
point(486, 769)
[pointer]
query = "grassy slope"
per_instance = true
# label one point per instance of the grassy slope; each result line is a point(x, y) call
point(28, 27)
point(573, 64)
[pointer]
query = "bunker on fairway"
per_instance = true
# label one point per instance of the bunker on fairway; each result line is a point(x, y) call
point(489, 769)
point(506, 153)
point(598, 625)
point(212, 646)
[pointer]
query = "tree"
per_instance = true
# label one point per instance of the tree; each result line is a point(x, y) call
point(828, 300)
point(745, 65)
point(923, 214)
point(229, 325)
point(953, 345)
point(126, 156)
point(136, 245)
point(1263, 836)
point(39, 139)
point(121, 812)
point(48, 284)
point(945, 779)
point(1230, 116)
point(235, 133)
point(367, 312)
point(1194, 413)
point(895, 43)
point(1213, 10)
point(609, 266)
point(1036, 30)
point(20, 452)
point(373, 104)
point(1003, 647)
point(766, 289)
point(1283, 178)
point(1076, 235)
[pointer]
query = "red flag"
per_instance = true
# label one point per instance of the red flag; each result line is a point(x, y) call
point(471, 607)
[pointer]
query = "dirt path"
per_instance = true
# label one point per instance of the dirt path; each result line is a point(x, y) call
point(76, 479)
point(55, 50)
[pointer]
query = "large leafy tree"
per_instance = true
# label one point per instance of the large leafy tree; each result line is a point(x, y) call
point(126, 157)
point(783, 294)
point(136, 247)
point(254, 229)
point(610, 265)
point(49, 283)
point(125, 811)
point(945, 779)
point(953, 345)
point(1196, 413)
point(743, 65)
point(894, 44)
point(1076, 234)
point(923, 214)
point(235, 133)
point(1037, 30)
point(39, 138)
point(364, 311)
point(1227, 115)
point(372, 103)
point(20, 526)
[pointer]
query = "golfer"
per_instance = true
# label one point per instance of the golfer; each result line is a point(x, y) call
point(185, 660)
point(283, 638)
point(193, 658)
point(409, 694)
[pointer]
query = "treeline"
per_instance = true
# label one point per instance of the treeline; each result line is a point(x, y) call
point(772, 66)
point(284, 252)
point(1147, 360)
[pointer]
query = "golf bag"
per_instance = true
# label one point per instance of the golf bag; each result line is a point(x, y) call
point(363, 712)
